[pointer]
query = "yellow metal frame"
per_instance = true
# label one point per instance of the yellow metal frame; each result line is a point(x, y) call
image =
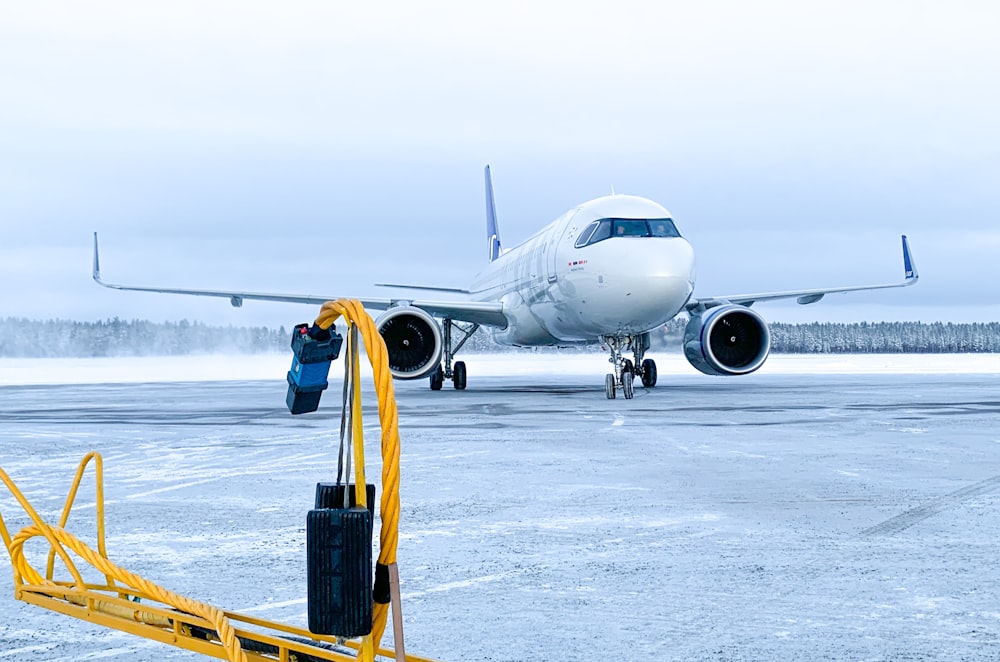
point(132, 604)
point(97, 605)
point(140, 612)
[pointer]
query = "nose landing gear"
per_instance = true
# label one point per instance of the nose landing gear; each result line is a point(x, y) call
point(625, 370)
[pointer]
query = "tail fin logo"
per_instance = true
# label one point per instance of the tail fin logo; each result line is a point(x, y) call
point(492, 231)
point(494, 247)
point(909, 269)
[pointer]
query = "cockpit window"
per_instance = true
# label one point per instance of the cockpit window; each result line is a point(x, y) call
point(662, 227)
point(602, 232)
point(630, 228)
point(584, 237)
point(626, 227)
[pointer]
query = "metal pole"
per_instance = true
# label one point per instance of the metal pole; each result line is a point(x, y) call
point(397, 612)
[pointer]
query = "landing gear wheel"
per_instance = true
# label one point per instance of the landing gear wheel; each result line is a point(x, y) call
point(649, 373)
point(459, 375)
point(437, 379)
point(628, 367)
point(627, 390)
point(609, 386)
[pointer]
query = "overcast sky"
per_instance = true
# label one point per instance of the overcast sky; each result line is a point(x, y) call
point(321, 147)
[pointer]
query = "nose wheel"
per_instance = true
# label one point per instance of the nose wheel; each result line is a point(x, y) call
point(625, 369)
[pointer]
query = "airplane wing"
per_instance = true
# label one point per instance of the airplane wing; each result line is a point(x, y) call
point(804, 297)
point(483, 313)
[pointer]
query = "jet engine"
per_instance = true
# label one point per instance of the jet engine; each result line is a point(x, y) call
point(413, 340)
point(727, 340)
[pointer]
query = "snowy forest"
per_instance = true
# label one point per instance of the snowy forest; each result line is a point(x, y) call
point(117, 337)
point(23, 338)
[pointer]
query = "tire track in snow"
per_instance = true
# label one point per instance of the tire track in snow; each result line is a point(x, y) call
point(910, 517)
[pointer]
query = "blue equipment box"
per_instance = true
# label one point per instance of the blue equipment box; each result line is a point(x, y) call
point(305, 375)
point(314, 349)
point(315, 345)
point(303, 399)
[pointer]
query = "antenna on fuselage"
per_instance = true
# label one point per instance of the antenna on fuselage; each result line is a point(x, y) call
point(492, 231)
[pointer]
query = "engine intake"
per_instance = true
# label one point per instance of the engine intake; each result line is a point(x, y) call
point(727, 340)
point(413, 340)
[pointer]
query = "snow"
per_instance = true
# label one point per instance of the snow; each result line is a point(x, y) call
point(243, 367)
point(823, 508)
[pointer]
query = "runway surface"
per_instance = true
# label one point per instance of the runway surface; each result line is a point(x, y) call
point(767, 517)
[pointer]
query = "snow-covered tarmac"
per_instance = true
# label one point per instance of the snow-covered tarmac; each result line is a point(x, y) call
point(212, 367)
point(824, 508)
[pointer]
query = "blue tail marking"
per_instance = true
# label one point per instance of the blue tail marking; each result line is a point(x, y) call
point(492, 231)
point(909, 268)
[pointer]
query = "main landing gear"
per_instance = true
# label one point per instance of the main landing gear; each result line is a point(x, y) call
point(625, 371)
point(457, 373)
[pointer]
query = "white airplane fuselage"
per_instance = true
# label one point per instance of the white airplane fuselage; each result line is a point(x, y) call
point(554, 292)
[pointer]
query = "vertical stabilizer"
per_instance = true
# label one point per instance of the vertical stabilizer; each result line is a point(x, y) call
point(492, 231)
point(909, 267)
point(97, 262)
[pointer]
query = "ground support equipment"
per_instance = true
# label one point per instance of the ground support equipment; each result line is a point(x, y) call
point(130, 603)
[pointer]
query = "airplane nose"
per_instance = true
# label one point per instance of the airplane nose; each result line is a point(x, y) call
point(661, 272)
point(628, 285)
point(680, 256)
point(646, 287)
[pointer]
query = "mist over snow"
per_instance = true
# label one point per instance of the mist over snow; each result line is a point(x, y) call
point(570, 369)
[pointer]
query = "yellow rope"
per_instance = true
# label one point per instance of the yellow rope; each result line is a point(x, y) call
point(62, 539)
point(353, 312)
point(357, 427)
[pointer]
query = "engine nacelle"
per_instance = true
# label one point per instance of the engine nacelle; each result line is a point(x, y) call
point(413, 340)
point(727, 340)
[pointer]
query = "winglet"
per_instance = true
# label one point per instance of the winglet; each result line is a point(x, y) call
point(97, 263)
point(492, 231)
point(909, 267)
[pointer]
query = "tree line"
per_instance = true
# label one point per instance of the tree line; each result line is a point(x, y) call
point(116, 337)
point(886, 338)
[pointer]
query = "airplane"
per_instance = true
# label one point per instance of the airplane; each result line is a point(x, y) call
point(609, 271)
